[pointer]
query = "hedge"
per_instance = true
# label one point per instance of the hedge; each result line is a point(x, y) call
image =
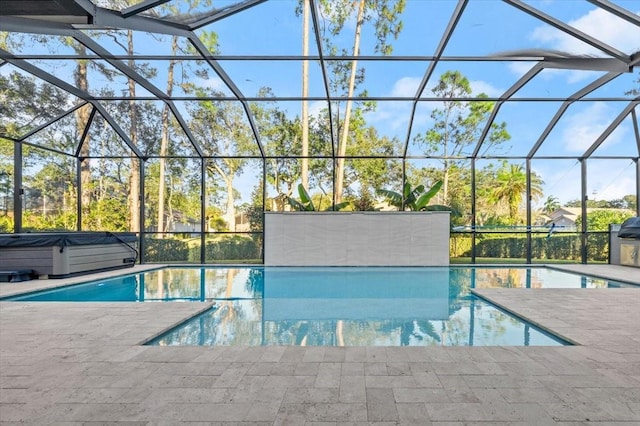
point(560, 247)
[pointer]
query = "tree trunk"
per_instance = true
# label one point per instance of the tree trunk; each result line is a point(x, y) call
point(230, 214)
point(445, 181)
point(342, 146)
point(82, 118)
point(165, 142)
point(231, 210)
point(305, 92)
point(134, 177)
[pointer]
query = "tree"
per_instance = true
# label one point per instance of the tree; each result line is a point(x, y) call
point(551, 204)
point(626, 202)
point(224, 134)
point(636, 90)
point(630, 202)
point(281, 138)
point(166, 113)
point(511, 186)
point(25, 103)
point(304, 172)
point(385, 17)
point(599, 220)
point(458, 125)
point(370, 174)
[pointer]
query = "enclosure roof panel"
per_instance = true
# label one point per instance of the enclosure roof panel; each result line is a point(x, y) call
point(231, 77)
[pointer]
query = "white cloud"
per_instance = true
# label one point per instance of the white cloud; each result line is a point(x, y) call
point(606, 179)
point(478, 86)
point(611, 187)
point(316, 107)
point(391, 116)
point(585, 127)
point(214, 83)
point(406, 86)
point(561, 180)
point(520, 68)
point(598, 23)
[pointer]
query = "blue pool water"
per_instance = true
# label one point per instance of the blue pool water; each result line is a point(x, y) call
point(384, 306)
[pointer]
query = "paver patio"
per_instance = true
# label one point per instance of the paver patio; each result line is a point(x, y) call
point(75, 363)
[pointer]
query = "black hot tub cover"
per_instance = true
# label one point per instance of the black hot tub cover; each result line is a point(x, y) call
point(630, 228)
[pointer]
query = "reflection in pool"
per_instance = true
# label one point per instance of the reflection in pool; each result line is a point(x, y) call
point(355, 307)
point(350, 306)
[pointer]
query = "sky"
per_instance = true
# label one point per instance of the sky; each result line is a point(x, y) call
point(486, 28)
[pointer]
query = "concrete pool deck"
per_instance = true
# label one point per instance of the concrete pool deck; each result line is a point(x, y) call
point(72, 363)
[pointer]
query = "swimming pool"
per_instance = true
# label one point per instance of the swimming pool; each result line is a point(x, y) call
point(178, 284)
point(375, 306)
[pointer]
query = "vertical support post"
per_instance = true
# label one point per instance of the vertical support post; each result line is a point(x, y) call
point(18, 190)
point(585, 198)
point(637, 160)
point(204, 228)
point(404, 180)
point(333, 171)
point(141, 234)
point(79, 193)
point(264, 204)
point(528, 170)
point(473, 210)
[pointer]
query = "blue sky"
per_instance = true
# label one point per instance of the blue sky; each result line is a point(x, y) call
point(486, 27)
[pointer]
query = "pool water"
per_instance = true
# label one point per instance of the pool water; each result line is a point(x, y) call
point(334, 306)
point(353, 307)
point(214, 283)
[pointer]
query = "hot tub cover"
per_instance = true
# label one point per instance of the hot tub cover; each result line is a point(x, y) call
point(65, 239)
point(630, 228)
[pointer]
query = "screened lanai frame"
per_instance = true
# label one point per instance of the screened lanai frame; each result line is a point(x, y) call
point(77, 19)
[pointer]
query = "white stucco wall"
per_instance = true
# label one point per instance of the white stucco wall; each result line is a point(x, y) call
point(356, 238)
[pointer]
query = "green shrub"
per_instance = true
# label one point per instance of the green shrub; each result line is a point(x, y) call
point(560, 247)
point(229, 247)
point(166, 250)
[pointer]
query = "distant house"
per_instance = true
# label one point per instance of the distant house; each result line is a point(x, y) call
point(178, 222)
point(242, 223)
point(565, 217)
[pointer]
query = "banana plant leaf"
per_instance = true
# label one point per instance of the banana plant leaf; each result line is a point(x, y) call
point(305, 204)
point(424, 199)
point(441, 208)
point(413, 199)
point(304, 196)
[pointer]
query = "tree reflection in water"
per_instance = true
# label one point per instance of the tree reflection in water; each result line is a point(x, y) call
point(242, 321)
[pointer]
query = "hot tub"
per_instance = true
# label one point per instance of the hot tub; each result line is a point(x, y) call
point(63, 254)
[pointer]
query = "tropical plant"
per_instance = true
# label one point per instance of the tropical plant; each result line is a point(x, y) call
point(416, 199)
point(551, 204)
point(511, 185)
point(305, 204)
